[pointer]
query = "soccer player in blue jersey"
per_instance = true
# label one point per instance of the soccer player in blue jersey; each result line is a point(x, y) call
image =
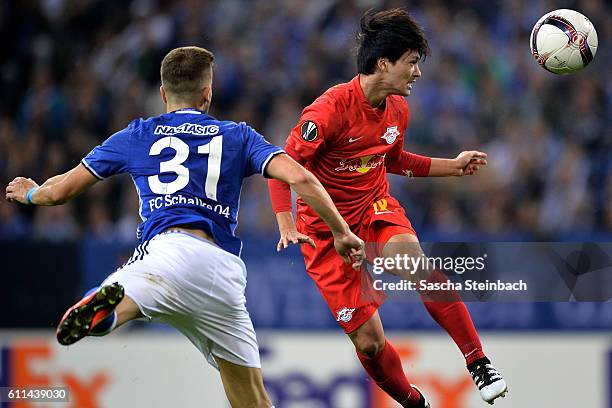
point(188, 169)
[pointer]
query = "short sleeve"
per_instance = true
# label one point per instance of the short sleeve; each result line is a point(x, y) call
point(317, 126)
point(111, 157)
point(258, 152)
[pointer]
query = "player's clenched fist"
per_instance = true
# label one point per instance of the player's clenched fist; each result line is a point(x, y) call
point(469, 162)
point(18, 189)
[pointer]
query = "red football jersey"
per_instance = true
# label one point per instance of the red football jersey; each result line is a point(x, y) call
point(345, 142)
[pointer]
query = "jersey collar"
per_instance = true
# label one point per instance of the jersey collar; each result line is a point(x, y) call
point(192, 111)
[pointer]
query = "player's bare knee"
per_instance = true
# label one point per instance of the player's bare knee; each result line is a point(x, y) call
point(370, 347)
point(368, 342)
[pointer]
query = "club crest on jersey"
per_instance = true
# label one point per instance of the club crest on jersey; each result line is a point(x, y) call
point(309, 131)
point(345, 315)
point(391, 134)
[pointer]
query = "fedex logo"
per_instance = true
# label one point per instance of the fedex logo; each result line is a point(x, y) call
point(300, 387)
point(28, 364)
point(351, 387)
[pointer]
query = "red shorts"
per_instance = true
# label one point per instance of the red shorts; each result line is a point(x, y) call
point(350, 294)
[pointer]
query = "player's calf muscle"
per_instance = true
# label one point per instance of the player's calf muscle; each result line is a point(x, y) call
point(127, 310)
point(369, 338)
point(244, 385)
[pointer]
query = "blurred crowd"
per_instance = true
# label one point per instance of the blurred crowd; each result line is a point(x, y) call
point(72, 72)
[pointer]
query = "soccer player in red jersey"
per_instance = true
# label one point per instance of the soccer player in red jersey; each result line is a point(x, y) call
point(350, 137)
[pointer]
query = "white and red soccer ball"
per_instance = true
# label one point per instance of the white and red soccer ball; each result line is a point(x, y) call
point(563, 41)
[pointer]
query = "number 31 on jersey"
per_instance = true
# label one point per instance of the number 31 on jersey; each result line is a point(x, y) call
point(213, 149)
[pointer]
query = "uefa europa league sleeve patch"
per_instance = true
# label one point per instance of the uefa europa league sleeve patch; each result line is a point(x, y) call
point(309, 131)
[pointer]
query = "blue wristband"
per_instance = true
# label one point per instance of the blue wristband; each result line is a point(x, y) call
point(29, 194)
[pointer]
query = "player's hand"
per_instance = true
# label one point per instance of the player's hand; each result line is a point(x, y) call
point(293, 237)
point(18, 188)
point(469, 162)
point(350, 247)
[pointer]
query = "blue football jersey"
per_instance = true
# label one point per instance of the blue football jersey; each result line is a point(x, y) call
point(187, 168)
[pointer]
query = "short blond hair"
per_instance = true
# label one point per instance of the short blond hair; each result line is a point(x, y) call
point(185, 71)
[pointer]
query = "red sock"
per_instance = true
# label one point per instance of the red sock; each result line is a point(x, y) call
point(386, 370)
point(450, 312)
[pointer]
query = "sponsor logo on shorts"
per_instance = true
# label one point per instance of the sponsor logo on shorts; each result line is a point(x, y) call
point(361, 164)
point(345, 315)
point(391, 134)
point(309, 131)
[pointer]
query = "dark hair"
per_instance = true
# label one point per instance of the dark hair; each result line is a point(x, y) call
point(184, 71)
point(387, 34)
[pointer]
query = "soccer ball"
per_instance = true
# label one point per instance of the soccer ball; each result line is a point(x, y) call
point(563, 41)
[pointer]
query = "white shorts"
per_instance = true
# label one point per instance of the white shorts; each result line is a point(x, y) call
point(196, 287)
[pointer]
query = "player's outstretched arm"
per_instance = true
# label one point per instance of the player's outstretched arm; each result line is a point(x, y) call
point(465, 164)
point(57, 190)
point(401, 162)
point(284, 168)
